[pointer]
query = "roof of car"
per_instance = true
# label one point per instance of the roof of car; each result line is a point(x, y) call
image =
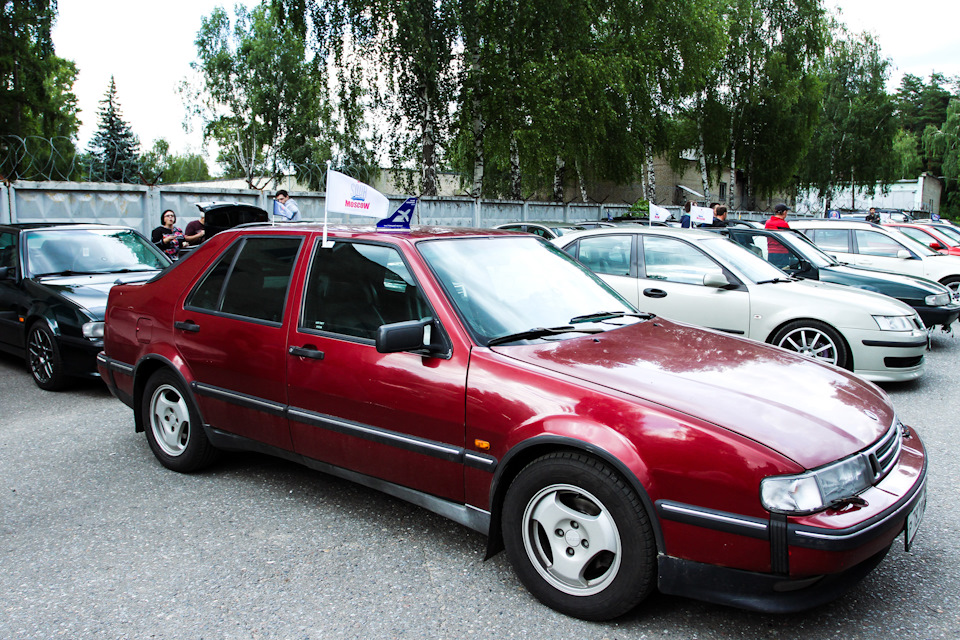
point(29, 226)
point(676, 232)
point(371, 232)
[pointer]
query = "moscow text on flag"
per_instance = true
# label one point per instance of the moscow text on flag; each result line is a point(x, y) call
point(346, 195)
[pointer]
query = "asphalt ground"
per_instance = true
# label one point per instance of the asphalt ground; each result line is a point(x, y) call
point(99, 541)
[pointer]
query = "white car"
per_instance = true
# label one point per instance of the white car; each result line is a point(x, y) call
point(869, 245)
point(704, 279)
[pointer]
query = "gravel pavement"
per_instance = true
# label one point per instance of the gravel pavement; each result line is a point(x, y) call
point(99, 541)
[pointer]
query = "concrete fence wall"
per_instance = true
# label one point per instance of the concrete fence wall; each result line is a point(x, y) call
point(140, 206)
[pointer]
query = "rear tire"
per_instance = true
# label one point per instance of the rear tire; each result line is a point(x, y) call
point(578, 537)
point(172, 425)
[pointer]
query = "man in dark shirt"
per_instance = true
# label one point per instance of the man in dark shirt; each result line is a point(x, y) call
point(195, 232)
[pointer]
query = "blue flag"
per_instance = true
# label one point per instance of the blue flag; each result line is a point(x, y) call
point(399, 219)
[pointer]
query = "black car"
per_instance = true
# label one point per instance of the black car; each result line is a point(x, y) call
point(936, 304)
point(54, 281)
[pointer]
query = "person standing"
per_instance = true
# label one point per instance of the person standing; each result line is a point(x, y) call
point(685, 218)
point(719, 217)
point(168, 237)
point(776, 253)
point(873, 216)
point(195, 231)
point(286, 208)
point(779, 218)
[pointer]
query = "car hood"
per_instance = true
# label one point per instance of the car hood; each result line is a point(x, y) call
point(867, 301)
point(806, 411)
point(892, 284)
point(90, 292)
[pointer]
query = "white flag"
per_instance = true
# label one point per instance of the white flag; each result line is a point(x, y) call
point(701, 215)
point(346, 195)
point(658, 214)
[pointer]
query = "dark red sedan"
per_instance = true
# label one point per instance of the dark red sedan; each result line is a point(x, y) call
point(489, 377)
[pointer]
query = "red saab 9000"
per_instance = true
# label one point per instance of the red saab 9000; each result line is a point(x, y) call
point(490, 378)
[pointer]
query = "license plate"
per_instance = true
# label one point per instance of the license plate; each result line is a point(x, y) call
point(914, 518)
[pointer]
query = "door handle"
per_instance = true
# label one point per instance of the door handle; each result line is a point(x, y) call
point(655, 293)
point(307, 351)
point(189, 325)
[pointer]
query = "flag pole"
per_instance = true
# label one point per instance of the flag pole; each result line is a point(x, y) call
point(326, 200)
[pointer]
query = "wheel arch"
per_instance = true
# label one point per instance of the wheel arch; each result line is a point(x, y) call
point(144, 370)
point(843, 338)
point(529, 450)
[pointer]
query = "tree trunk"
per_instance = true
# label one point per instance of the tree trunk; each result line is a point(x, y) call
point(732, 186)
point(515, 178)
point(704, 177)
point(429, 148)
point(583, 187)
point(478, 132)
point(651, 177)
point(558, 180)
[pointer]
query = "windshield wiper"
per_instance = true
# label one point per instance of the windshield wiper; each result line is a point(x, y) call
point(539, 332)
point(775, 280)
point(608, 315)
point(67, 272)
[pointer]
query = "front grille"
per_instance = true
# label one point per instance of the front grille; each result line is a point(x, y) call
point(902, 363)
point(885, 453)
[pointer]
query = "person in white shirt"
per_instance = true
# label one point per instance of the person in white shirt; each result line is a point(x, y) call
point(287, 208)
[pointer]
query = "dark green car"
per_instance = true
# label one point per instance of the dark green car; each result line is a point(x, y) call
point(54, 281)
point(799, 257)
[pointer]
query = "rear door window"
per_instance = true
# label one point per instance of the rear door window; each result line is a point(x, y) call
point(250, 280)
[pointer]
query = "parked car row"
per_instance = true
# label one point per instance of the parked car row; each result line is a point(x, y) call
point(492, 378)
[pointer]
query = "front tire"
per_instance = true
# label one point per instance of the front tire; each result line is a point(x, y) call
point(578, 537)
point(815, 340)
point(952, 283)
point(44, 359)
point(172, 425)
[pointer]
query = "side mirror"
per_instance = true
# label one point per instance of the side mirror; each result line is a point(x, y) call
point(936, 246)
point(6, 273)
point(412, 335)
point(716, 280)
point(903, 254)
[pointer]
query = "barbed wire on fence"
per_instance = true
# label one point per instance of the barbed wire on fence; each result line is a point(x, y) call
point(38, 159)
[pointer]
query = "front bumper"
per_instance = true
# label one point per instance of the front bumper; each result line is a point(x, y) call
point(888, 356)
point(813, 559)
point(939, 316)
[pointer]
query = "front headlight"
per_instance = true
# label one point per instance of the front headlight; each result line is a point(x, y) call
point(816, 490)
point(937, 299)
point(93, 330)
point(893, 323)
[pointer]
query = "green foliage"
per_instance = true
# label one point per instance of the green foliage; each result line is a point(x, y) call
point(114, 150)
point(906, 148)
point(159, 166)
point(920, 106)
point(262, 99)
point(36, 99)
point(853, 143)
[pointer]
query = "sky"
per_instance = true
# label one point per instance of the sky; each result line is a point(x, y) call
point(148, 47)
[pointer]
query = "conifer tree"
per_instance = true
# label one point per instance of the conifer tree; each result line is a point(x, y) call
point(114, 149)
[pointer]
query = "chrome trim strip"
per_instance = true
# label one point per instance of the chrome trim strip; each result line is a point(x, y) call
point(241, 399)
point(713, 515)
point(115, 365)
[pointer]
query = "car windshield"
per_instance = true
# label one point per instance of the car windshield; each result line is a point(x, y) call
point(89, 251)
point(565, 230)
point(809, 251)
point(743, 260)
point(913, 245)
point(504, 286)
point(950, 232)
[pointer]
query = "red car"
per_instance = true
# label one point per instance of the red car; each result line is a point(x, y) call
point(929, 235)
point(489, 377)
